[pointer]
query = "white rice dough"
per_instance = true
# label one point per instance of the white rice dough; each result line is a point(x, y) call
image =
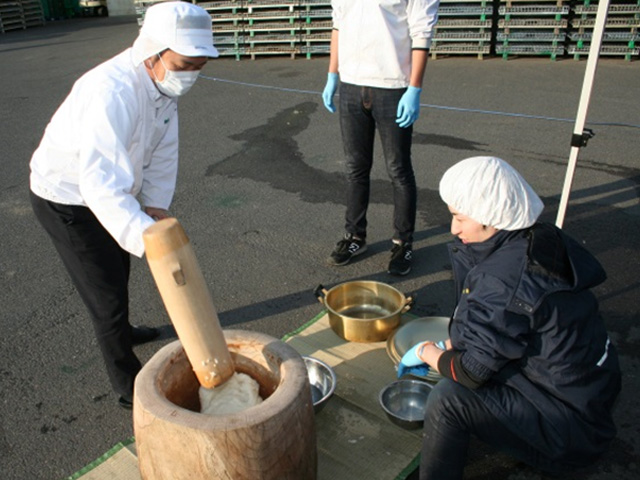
point(236, 394)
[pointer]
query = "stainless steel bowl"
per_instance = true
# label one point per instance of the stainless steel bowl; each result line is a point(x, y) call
point(422, 329)
point(405, 402)
point(323, 382)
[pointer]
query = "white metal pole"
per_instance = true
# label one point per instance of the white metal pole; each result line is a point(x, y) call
point(587, 86)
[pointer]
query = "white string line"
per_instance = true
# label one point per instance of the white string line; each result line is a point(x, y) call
point(427, 105)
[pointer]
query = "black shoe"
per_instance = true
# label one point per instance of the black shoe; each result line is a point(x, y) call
point(141, 334)
point(346, 249)
point(126, 404)
point(401, 255)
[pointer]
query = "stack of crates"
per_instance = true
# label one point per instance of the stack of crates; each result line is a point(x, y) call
point(463, 28)
point(270, 27)
point(620, 36)
point(228, 26)
point(315, 28)
point(20, 14)
point(251, 28)
point(532, 27)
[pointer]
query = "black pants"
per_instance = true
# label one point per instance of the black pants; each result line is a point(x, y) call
point(363, 110)
point(454, 413)
point(99, 269)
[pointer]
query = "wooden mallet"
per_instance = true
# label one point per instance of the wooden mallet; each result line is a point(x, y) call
point(187, 299)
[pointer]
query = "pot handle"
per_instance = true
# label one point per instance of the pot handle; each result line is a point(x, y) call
point(320, 292)
point(408, 304)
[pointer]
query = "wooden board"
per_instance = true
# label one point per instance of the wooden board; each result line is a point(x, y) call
point(355, 437)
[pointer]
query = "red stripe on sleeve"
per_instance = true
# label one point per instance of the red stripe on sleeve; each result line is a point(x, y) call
point(453, 371)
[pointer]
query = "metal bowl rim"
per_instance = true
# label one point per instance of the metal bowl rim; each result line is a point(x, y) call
point(332, 374)
point(335, 288)
point(395, 383)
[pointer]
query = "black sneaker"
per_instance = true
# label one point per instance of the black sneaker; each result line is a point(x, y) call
point(346, 249)
point(401, 255)
point(141, 334)
point(125, 403)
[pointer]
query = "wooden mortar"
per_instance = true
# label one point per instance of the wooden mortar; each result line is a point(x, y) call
point(274, 440)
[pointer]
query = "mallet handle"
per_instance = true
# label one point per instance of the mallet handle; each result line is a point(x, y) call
point(187, 299)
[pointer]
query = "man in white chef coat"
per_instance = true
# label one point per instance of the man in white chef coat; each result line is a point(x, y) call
point(106, 170)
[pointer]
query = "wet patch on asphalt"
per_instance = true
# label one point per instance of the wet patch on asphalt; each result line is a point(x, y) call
point(269, 154)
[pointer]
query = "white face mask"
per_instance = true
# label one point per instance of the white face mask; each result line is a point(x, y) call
point(175, 83)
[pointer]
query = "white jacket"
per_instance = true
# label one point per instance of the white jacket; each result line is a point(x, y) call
point(115, 136)
point(376, 38)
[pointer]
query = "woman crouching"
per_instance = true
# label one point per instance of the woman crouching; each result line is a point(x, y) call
point(529, 367)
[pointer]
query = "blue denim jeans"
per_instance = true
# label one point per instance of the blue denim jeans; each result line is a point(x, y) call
point(454, 413)
point(362, 111)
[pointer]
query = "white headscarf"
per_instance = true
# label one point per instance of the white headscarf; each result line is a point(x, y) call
point(492, 192)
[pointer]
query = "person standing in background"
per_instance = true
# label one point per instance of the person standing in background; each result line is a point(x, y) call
point(378, 56)
point(113, 140)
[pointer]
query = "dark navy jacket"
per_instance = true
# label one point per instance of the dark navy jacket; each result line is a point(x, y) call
point(527, 329)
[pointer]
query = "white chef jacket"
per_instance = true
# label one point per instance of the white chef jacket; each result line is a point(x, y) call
point(376, 38)
point(115, 136)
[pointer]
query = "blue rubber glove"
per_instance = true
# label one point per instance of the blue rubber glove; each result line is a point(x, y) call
point(411, 364)
point(441, 345)
point(408, 107)
point(330, 90)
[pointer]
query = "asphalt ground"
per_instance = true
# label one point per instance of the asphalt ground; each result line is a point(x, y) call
point(260, 194)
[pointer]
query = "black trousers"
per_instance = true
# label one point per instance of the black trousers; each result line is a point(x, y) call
point(99, 269)
point(454, 413)
point(363, 110)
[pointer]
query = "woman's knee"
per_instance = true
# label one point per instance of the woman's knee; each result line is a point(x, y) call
point(446, 399)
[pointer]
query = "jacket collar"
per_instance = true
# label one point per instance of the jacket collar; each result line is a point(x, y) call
point(480, 251)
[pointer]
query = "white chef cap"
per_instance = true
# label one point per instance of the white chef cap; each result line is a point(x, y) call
point(182, 27)
point(492, 192)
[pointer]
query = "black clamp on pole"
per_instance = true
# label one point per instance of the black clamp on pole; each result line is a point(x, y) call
point(581, 140)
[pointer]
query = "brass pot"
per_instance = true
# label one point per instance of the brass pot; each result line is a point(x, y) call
point(364, 311)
